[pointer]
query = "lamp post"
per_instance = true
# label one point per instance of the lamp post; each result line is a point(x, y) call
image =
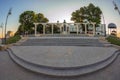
point(104, 24)
point(2, 32)
point(116, 7)
point(9, 13)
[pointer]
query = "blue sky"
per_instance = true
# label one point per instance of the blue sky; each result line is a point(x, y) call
point(54, 10)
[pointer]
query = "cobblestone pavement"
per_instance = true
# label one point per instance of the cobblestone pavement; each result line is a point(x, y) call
point(63, 56)
point(11, 71)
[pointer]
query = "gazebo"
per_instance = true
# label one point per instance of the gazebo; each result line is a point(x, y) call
point(112, 28)
point(71, 28)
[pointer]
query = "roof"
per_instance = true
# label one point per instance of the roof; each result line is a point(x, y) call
point(112, 25)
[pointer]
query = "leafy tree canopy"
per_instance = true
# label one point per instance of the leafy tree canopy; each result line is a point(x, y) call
point(27, 20)
point(40, 18)
point(90, 13)
point(27, 17)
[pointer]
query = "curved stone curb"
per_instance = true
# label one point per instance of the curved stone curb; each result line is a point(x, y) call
point(58, 71)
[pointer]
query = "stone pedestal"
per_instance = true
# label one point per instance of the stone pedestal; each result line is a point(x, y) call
point(64, 32)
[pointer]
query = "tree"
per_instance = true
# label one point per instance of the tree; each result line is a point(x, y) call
point(27, 17)
point(91, 13)
point(40, 18)
point(27, 20)
point(94, 14)
point(20, 30)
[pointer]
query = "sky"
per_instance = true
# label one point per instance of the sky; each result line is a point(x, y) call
point(54, 10)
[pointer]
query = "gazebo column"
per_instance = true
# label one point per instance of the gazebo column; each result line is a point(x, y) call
point(69, 28)
point(77, 29)
point(66, 28)
point(35, 29)
point(80, 28)
point(52, 29)
point(60, 29)
point(110, 31)
point(93, 28)
point(44, 28)
point(85, 28)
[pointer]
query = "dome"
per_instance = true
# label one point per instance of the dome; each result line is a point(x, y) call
point(112, 25)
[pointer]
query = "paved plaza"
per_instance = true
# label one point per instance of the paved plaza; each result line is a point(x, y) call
point(9, 70)
point(63, 56)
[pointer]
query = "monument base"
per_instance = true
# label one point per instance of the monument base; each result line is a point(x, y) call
point(65, 32)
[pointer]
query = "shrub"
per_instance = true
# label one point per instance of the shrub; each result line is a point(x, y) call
point(113, 40)
point(13, 39)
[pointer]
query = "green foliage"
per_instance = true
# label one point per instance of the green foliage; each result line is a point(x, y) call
point(113, 40)
point(27, 17)
point(20, 30)
point(90, 13)
point(40, 18)
point(56, 29)
point(40, 28)
point(13, 39)
point(27, 20)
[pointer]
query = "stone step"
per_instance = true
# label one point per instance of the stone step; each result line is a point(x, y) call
point(62, 41)
point(62, 35)
point(62, 44)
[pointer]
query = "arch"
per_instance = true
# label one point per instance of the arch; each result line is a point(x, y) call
point(51, 28)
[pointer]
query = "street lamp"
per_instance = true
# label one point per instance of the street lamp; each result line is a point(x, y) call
point(104, 23)
point(116, 7)
point(1, 26)
point(9, 13)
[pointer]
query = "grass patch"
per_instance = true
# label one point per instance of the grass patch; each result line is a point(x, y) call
point(114, 40)
point(13, 39)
